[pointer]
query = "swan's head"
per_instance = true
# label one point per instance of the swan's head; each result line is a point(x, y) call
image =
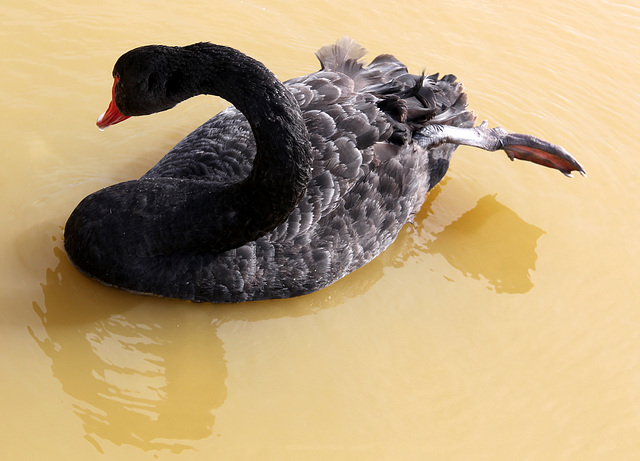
point(145, 80)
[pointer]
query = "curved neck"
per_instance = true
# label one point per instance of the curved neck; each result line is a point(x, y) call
point(113, 232)
point(282, 165)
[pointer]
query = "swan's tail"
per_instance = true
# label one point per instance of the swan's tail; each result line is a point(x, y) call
point(343, 56)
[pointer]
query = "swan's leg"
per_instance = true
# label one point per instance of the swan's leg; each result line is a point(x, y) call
point(516, 145)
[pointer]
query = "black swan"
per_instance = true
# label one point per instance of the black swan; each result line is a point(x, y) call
point(295, 186)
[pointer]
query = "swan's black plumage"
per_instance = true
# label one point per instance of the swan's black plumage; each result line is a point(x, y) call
point(345, 158)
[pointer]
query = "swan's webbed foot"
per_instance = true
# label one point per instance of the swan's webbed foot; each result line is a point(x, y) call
point(532, 149)
point(516, 145)
point(526, 147)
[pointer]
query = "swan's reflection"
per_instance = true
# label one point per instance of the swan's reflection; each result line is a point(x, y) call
point(145, 371)
point(138, 376)
point(151, 372)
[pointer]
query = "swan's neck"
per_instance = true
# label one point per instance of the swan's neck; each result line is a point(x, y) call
point(113, 233)
point(282, 165)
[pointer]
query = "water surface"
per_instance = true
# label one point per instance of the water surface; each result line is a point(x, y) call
point(502, 326)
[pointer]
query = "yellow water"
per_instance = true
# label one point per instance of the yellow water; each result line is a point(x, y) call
point(503, 326)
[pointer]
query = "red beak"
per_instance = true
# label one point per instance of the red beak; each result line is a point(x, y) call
point(113, 114)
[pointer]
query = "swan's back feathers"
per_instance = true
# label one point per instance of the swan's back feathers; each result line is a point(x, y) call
point(221, 150)
point(358, 118)
point(372, 168)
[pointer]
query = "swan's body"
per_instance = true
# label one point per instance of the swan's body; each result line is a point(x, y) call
point(336, 176)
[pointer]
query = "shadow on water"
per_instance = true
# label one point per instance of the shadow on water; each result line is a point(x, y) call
point(151, 372)
point(493, 242)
